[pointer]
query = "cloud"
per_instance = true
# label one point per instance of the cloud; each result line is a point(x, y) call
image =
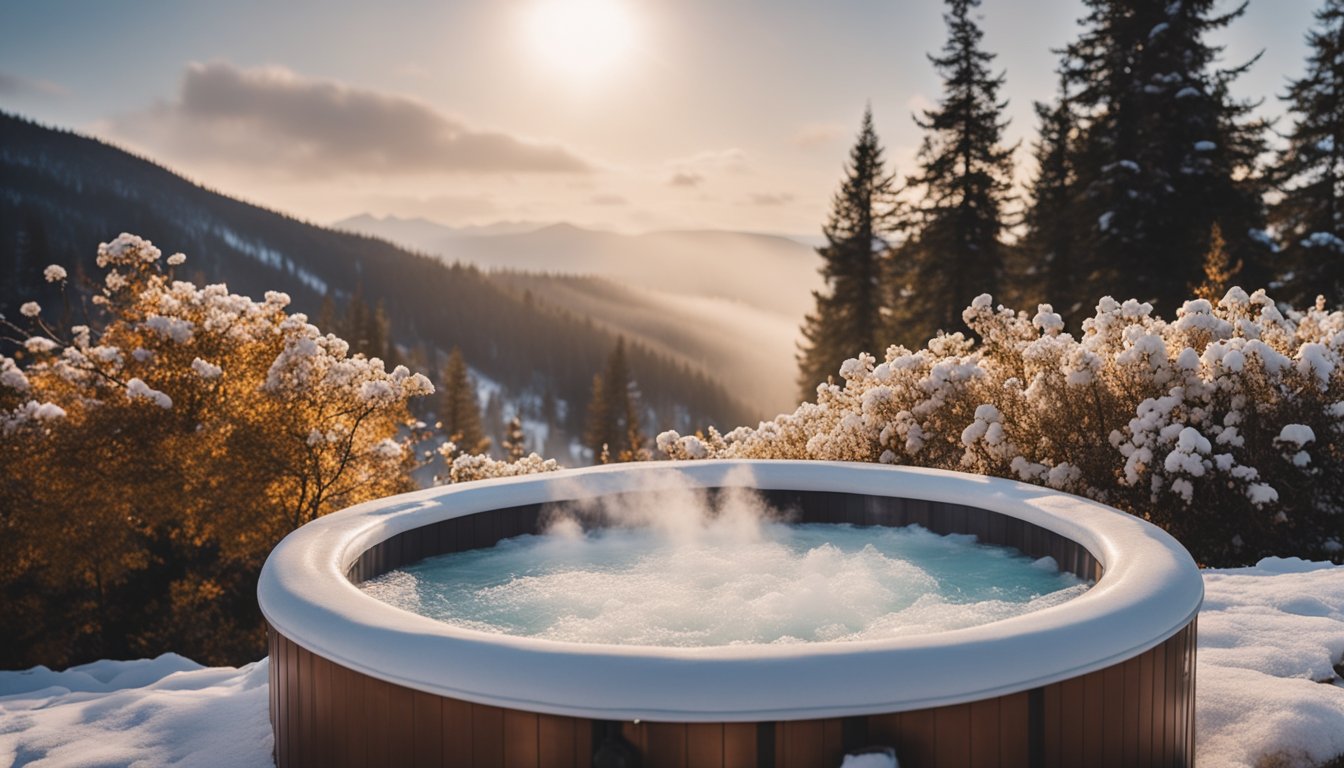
point(686, 179)
point(770, 199)
point(816, 134)
point(276, 119)
point(14, 85)
point(608, 200)
point(731, 159)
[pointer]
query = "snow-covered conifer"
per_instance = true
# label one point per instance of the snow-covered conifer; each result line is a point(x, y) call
point(1309, 171)
point(964, 182)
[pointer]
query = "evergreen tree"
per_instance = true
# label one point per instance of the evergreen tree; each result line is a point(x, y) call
point(1047, 266)
point(459, 409)
point(965, 174)
point(515, 442)
point(492, 421)
point(1309, 171)
point(380, 331)
point(613, 430)
point(1164, 151)
point(848, 316)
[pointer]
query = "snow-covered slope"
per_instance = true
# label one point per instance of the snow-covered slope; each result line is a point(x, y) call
point(1271, 639)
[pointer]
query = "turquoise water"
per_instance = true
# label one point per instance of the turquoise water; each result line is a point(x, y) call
point(762, 582)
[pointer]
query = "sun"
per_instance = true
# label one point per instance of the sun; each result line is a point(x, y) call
point(581, 40)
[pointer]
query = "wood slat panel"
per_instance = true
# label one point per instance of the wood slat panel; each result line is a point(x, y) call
point(522, 739)
point(1070, 723)
point(1113, 716)
point(294, 721)
point(984, 733)
point(1051, 736)
point(457, 733)
point(952, 732)
point(665, 745)
point(1190, 692)
point(1129, 728)
point(359, 734)
point(802, 744)
point(854, 507)
point(377, 695)
point(1093, 718)
point(917, 512)
point(556, 744)
point(1144, 743)
point(1159, 713)
point(426, 730)
point(956, 519)
point(919, 738)
point(1169, 712)
point(487, 736)
point(323, 721)
point(400, 733)
point(739, 745)
point(1015, 730)
point(704, 745)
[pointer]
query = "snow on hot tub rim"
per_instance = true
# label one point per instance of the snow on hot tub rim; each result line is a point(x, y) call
point(1150, 589)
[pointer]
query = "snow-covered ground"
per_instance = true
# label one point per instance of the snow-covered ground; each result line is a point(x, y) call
point(1269, 692)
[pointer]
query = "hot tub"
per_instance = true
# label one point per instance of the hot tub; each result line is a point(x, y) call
point(1106, 678)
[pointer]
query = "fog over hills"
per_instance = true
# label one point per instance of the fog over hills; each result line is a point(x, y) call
point(771, 272)
point(730, 301)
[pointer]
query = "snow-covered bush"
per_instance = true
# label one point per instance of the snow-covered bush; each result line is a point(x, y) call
point(467, 466)
point(1222, 425)
point(175, 440)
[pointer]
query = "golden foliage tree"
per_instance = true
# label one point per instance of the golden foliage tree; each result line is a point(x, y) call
point(151, 460)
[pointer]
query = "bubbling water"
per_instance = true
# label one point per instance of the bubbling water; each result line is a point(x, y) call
point(672, 570)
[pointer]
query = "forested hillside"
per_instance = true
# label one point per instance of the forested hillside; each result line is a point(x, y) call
point(61, 194)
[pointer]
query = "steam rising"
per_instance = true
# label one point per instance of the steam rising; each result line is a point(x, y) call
point(678, 567)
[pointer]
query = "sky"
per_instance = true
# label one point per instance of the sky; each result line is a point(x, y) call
point(632, 115)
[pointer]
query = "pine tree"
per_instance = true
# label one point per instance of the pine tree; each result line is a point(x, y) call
point(515, 442)
point(492, 420)
point(1309, 172)
point(848, 315)
point(965, 174)
point(1219, 271)
point(380, 331)
point(459, 409)
point(613, 430)
point(1048, 265)
point(1164, 151)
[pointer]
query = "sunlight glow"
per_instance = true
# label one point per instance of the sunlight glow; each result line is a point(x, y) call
point(580, 39)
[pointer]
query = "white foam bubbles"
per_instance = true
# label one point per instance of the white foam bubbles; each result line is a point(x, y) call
point(673, 569)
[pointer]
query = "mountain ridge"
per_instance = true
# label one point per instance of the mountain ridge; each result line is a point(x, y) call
point(62, 193)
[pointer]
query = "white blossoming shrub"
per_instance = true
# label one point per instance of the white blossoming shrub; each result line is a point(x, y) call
point(1222, 425)
point(467, 467)
point(186, 425)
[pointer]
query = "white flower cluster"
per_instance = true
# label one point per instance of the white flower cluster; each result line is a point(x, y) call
point(481, 467)
point(1230, 411)
point(127, 250)
point(311, 360)
point(164, 327)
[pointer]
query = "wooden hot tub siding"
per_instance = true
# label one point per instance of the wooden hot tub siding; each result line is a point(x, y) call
point(1139, 712)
